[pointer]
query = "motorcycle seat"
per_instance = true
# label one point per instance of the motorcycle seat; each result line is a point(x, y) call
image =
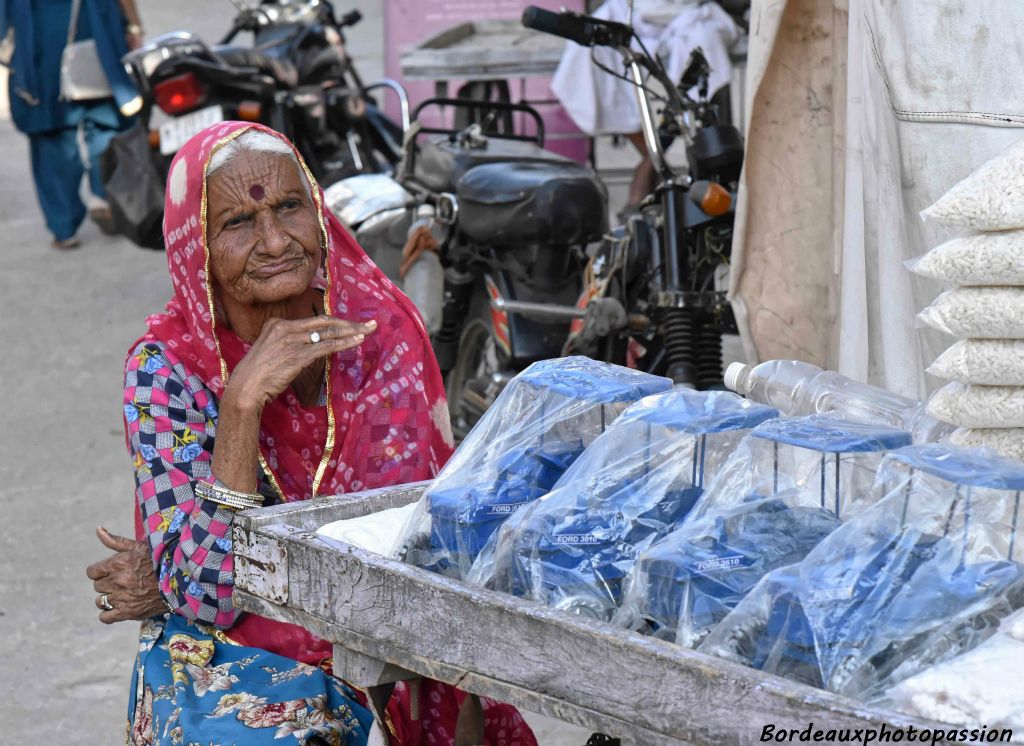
point(510, 204)
point(440, 164)
point(281, 70)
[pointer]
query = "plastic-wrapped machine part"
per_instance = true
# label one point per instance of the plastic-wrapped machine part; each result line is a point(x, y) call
point(538, 426)
point(925, 573)
point(787, 487)
point(572, 548)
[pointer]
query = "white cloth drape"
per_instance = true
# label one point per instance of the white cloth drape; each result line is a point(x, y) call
point(854, 127)
point(600, 103)
point(934, 90)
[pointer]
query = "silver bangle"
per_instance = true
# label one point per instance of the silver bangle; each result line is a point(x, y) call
point(227, 497)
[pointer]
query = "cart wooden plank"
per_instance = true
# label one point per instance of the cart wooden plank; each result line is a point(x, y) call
point(643, 690)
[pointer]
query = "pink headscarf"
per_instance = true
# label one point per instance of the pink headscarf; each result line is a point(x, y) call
point(386, 419)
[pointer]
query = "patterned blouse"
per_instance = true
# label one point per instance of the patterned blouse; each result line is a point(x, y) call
point(171, 421)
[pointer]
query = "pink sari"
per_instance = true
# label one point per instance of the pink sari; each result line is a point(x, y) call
point(385, 421)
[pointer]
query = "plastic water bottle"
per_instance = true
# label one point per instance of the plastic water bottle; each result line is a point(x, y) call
point(424, 284)
point(424, 280)
point(797, 388)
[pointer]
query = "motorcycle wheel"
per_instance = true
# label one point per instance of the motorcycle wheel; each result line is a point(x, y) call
point(474, 382)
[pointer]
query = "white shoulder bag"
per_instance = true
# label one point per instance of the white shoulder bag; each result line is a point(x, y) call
point(81, 74)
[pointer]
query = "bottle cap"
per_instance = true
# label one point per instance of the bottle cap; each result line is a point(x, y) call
point(732, 377)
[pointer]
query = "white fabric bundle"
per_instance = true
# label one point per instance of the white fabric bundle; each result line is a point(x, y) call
point(967, 405)
point(990, 199)
point(1006, 441)
point(376, 532)
point(985, 312)
point(986, 361)
point(980, 259)
point(981, 686)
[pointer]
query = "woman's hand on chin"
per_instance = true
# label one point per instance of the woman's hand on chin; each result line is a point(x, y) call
point(126, 580)
point(284, 348)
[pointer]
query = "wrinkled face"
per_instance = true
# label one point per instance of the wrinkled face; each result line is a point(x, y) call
point(262, 229)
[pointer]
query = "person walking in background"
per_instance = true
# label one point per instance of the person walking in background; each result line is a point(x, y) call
point(51, 118)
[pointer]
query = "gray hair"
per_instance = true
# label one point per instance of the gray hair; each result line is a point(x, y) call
point(255, 141)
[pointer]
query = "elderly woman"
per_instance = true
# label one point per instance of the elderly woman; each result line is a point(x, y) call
point(285, 366)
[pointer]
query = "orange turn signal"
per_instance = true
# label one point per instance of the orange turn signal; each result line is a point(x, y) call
point(250, 111)
point(714, 199)
point(154, 139)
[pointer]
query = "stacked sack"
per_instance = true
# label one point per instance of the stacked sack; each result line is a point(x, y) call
point(984, 308)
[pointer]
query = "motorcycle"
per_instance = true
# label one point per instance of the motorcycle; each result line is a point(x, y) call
point(656, 291)
point(295, 78)
point(512, 222)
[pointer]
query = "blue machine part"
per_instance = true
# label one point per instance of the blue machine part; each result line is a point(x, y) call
point(847, 629)
point(968, 467)
point(923, 575)
point(688, 581)
point(819, 432)
point(464, 519)
point(695, 584)
point(636, 482)
point(536, 429)
point(583, 378)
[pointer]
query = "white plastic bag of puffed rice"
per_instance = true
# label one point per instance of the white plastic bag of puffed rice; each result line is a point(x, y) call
point(990, 199)
point(970, 405)
point(979, 686)
point(993, 362)
point(981, 259)
point(1007, 441)
point(981, 313)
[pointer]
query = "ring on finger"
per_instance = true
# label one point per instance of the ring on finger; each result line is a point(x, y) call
point(105, 602)
point(314, 337)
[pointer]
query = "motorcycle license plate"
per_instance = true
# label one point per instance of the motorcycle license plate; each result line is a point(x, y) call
point(176, 132)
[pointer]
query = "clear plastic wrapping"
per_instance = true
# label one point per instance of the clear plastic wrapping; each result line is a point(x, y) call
point(979, 259)
point(573, 547)
point(534, 431)
point(797, 388)
point(923, 574)
point(785, 489)
point(1006, 441)
point(971, 405)
point(981, 313)
point(989, 199)
point(990, 362)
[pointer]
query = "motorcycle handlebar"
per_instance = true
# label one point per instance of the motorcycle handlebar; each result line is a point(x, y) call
point(584, 30)
point(350, 19)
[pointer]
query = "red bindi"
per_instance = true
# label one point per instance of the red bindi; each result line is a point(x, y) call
point(257, 192)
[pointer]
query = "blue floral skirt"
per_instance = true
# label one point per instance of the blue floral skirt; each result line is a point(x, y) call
point(189, 687)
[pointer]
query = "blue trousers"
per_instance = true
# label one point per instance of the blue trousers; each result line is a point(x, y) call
point(57, 168)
